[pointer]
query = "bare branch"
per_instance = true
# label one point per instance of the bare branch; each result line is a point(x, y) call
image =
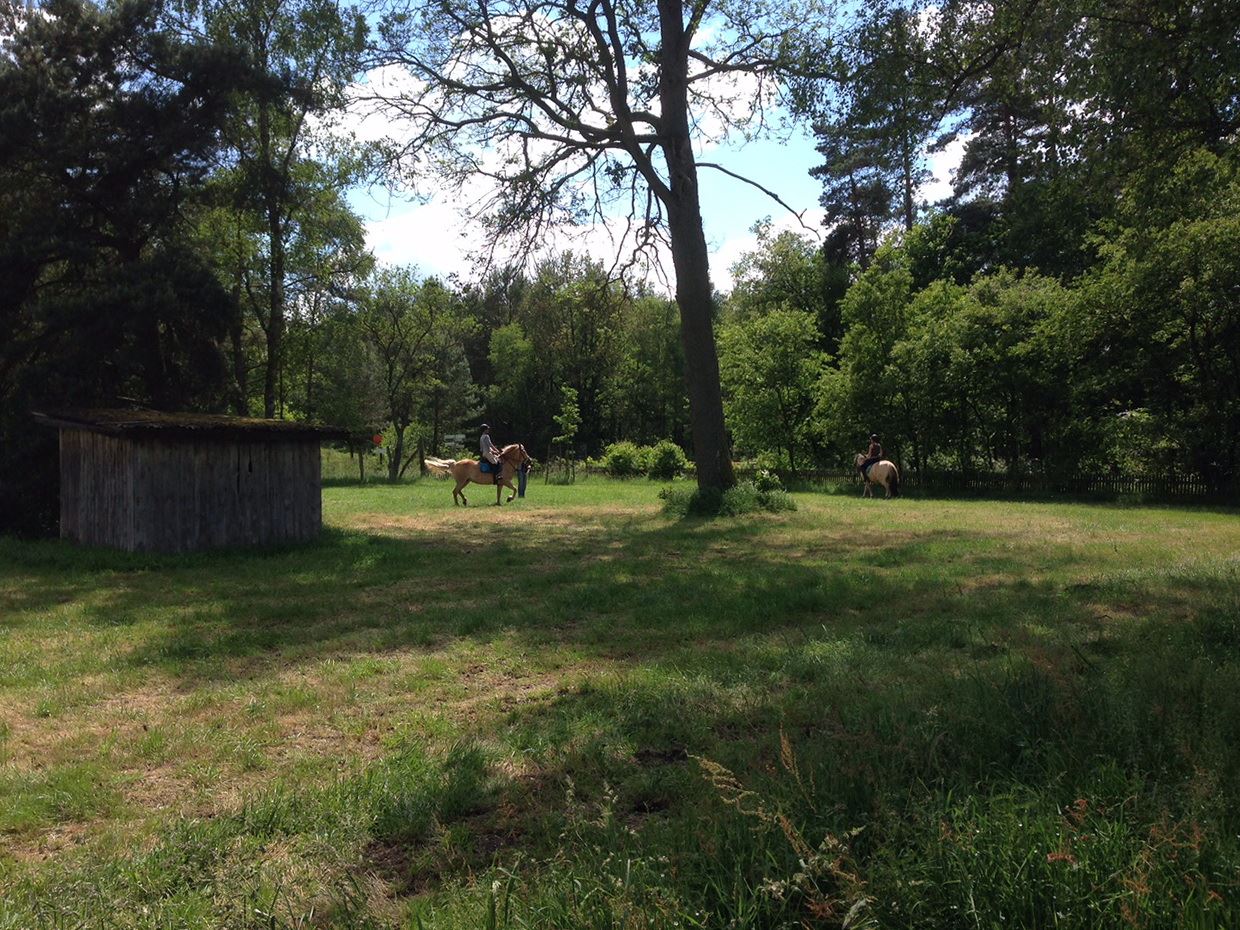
point(559, 106)
point(770, 193)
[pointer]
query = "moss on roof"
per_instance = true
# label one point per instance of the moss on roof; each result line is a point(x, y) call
point(158, 423)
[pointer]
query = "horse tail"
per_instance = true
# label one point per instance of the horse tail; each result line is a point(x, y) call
point(441, 467)
point(895, 481)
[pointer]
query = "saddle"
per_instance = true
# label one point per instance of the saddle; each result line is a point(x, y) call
point(488, 469)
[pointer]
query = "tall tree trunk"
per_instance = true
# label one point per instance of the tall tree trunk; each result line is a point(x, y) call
point(907, 168)
point(310, 384)
point(694, 297)
point(397, 454)
point(437, 403)
point(691, 260)
point(156, 367)
point(1011, 155)
point(236, 333)
point(236, 336)
point(275, 312)
point(275, 232)
point(154, 364)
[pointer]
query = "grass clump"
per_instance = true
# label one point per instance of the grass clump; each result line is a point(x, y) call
point(67, 793)
point(745, 497)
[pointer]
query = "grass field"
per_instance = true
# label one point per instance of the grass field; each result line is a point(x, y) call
point(577, 712)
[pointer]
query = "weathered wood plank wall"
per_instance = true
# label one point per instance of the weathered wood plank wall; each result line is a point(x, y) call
point(96, 505)
point(179, 495)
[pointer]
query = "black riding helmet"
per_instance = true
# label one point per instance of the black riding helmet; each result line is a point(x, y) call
point(873, 437)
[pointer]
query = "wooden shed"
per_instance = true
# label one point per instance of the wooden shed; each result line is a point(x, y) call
point(163, 482)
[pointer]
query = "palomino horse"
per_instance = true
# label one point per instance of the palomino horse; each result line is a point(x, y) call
point(467, 470)
point(882, 473)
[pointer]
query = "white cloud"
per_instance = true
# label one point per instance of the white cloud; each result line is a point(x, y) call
point(431, 236)
point(943, 165)
point(731, 249)
point(365, 117)
point(439, 239)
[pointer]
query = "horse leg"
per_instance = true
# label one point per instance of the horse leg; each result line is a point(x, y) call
point(513, 495)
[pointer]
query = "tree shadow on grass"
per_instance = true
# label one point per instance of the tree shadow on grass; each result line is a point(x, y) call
point(904, 671)
point(627, 593)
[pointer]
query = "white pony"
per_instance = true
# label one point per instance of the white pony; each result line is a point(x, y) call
point(883, 473)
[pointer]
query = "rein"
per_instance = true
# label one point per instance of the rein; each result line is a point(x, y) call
point(513, 456)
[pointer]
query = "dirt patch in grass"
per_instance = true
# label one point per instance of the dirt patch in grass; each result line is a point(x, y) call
point(447, 525)
point(35, 742)
point(986, 581)
point(657, 757)
point(1112, 612)
point(490, 693)
point(50, 843)
point(409, 869)
point(468, 845)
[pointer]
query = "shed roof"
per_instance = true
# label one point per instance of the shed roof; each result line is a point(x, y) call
point(155, 424)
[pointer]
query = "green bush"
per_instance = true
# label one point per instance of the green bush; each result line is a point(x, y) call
point(623, 460)
point(767, 481)
point(744, 498)
point(771, 461)
point(665, 460)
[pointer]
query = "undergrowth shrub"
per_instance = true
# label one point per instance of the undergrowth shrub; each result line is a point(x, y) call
point(623, 459)
point(767, 481)
point(665, 460)
point(744, 498)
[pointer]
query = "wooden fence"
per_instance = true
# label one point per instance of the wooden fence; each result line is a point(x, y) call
point(1108, 487)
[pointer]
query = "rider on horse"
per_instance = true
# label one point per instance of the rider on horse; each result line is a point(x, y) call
point(489, 452)
point(872, 455)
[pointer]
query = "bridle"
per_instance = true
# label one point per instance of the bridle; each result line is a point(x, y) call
point(515, 451)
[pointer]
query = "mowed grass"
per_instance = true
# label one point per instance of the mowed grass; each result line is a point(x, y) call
point(575, 711)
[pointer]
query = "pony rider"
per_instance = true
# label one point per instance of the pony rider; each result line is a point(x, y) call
point(872, 455)
point(489, 452)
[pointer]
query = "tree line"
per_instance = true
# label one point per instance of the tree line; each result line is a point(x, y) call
point(174, 230)
point(1074, 305)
